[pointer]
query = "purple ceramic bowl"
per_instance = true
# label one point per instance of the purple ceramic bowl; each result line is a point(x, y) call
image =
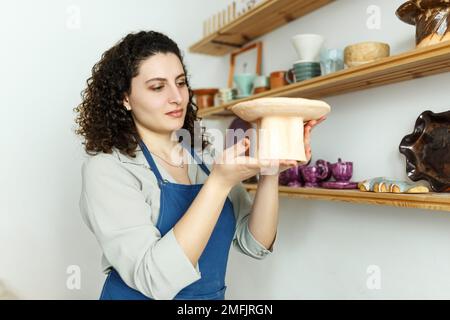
point(289, 176)
point(310, 173)
point(342, 171)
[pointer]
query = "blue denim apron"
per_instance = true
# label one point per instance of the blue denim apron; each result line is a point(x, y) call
point(174, 202)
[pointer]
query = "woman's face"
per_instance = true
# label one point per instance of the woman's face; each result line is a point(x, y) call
point(159, 88)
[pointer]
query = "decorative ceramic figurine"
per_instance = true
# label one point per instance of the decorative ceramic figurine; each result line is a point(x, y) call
point(279, 124)
point(431, 18)
point(368, 184)
point(383, 184)
point(427, 150)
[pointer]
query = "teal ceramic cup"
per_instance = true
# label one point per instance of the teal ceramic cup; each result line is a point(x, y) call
point(244, 83)
point(332, 60)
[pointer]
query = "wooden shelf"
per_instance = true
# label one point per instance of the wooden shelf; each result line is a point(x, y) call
point(260, 20)
point(406, 66)
point(220, 111)
point(430, 201)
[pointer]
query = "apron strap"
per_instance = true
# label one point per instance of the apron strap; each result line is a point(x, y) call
point(200, 162)
point(150, 161)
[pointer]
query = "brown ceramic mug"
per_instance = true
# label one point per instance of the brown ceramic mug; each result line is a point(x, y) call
point(278, 79)
point(205, 97)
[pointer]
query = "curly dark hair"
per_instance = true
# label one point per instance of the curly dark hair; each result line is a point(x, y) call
point(102, 118)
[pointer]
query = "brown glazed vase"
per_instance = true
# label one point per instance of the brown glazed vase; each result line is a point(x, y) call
point(431, 18)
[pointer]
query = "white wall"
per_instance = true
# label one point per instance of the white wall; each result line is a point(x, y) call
point(44, 68)
point(323, 248)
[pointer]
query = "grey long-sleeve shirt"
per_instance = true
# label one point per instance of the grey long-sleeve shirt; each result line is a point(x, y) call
point(120, 204)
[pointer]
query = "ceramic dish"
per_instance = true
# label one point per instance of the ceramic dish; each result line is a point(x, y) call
point(427, 150)
point(339, 185)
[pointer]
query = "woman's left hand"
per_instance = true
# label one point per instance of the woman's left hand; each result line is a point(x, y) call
point(307, 127)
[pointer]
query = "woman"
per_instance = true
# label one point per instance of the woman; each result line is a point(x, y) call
point(164, 219)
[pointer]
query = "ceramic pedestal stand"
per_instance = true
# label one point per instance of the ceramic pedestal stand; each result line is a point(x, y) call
point(279, 124)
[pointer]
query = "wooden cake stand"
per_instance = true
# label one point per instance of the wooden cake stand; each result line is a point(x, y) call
point(279, 125)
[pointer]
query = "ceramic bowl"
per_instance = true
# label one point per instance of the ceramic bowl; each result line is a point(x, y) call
point(365, 52)
point(342, 171)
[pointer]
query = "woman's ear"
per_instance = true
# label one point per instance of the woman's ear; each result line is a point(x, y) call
point(126, 103)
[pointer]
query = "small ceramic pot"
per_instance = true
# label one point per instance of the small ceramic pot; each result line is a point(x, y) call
point(277, 79)
point(205, 97)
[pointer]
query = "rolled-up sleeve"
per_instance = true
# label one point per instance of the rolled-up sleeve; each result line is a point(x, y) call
point(114, 208)
point(243, 240)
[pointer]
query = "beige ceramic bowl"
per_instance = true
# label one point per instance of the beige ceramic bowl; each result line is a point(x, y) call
point(365, 52)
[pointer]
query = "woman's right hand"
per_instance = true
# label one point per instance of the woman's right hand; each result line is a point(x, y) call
point(231, 167)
